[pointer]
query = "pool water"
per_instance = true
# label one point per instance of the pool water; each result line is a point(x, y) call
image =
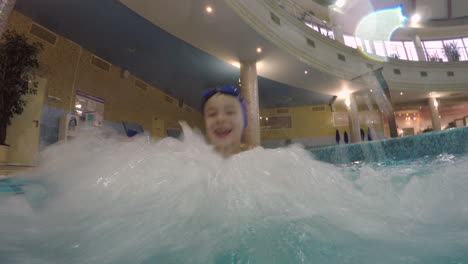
point(98, 200)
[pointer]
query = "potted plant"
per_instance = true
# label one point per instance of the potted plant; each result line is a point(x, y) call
point(451, 51)
point(433, 57)
point(18, 66)
point(393, 57)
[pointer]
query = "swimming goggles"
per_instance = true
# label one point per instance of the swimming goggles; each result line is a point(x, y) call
point(229, 90)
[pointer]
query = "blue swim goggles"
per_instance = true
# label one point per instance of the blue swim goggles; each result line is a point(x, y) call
point(229, 90)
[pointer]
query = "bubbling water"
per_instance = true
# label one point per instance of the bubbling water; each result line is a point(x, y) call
point(100, 200)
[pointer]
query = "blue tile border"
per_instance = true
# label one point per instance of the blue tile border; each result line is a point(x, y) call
point(7, 186)
point(453, 141)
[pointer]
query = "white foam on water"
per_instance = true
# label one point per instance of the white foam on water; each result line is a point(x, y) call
point(99, 200)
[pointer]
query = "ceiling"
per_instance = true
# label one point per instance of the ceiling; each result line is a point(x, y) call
point(114, 32)
point(224, 35)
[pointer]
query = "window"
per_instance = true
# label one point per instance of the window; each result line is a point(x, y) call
point(434, 50)
point(379, 48)
point(465, 41)
point(368, 46)
point(350, 41)
point(396, 49)
point(359, 43)
point(411, 50)
point(460, 47)
point(324, 31)
point(315, 27)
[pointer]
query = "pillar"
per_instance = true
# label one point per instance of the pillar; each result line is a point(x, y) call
point(249, 91)
point(6, 7)
point(392, 125)
point(353, 119)
point(389, 113)
point(338, 33)
point(434, 109)
point(419, 48)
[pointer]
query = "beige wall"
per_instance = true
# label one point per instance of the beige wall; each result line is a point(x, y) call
point(315, 121)
point(67, 68)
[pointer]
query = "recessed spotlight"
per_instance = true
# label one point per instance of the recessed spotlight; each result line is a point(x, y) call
point(209, 9)
point(306, 72)
point(259, 50)
point(401, 93)
point(416, 18)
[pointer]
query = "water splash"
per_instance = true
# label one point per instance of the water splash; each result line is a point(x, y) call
point(100, 200)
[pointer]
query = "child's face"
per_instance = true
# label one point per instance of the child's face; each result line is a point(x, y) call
point(224, 121)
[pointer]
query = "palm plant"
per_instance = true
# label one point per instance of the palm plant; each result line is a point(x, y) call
point(451, 51)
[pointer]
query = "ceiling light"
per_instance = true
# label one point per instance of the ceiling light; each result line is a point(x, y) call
point(347, 102)
point(306, 72)
point(371, 90)
point(340, 3)
point(209, 9)
point(416, 18)
point(235, 64)
point(401, 93)
point(259, 50)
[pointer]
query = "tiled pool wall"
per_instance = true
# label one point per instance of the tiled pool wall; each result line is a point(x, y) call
point(452, 141)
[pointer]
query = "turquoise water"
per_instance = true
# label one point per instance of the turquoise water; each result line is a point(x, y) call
point(98, 200)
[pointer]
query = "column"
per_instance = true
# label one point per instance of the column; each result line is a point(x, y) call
point(392, 125)
point(389, 113)
point(434, 109)
point(353, 119)
point(6, 6)
point(249, 91)
point(419, 48)
point(338, 33)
